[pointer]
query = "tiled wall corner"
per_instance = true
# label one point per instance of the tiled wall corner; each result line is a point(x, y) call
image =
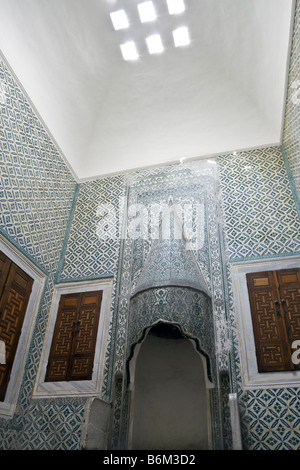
point(261, 218)
point(291, 132)
point(36, 196)
point(36, 187)
point(93, 245)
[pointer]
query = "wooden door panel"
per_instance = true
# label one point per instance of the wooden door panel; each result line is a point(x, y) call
point(73, 344)
point(289, 288)
point(62, 341)
point(5, 264)
point(266, 318)
point(289, 291)
point(272, 357)
point(85, 336)
point(268, 323)
point(13, 305)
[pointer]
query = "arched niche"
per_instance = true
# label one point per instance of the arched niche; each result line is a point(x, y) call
point(186, 307)
point(170, 392)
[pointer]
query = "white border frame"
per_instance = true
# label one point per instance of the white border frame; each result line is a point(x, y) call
point(251, 378)
point(8, 406)
point(91, 387)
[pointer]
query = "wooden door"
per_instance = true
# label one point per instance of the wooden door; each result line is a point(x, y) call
point(15, 289)
point(275, 308)
point(289, 297)
point(74, 339)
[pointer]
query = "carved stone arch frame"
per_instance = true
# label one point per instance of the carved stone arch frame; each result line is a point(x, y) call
point(135, 348)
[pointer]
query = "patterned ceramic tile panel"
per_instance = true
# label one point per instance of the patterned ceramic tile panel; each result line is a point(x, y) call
point(186, 307)
point(182, 183)
point(36, 192)
point(271, 419)
point(261, 220)
point(188, 202)
point(47, 425)
point(225, 389)
point(36, 187)
point(188, 183)
point(93, 244)
point(36, 196)
point(291, 134)
point(261, 217)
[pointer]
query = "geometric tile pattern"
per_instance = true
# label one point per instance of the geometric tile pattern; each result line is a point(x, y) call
point(93, 244)
point(36, 196)
point(197, 182)
point(170, 263)
point(261, 218)
point(271, 419)
point(224, 397)
point(42, 424)
point(36, 187)
point(291, 132)
point(169, 304)
point(47, 425)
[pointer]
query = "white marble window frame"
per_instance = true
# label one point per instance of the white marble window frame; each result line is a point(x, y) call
point(77, 388)
point(8, 406)
point(251, 378)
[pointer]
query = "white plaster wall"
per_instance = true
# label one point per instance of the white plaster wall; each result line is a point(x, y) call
point(106, 115)
point(170, 398)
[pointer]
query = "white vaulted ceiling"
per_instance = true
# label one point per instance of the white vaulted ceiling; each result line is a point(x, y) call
point(224, 92)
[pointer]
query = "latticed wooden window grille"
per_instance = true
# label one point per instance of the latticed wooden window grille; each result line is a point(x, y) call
point(15, 290)
point(275, 309)
point(74, 338)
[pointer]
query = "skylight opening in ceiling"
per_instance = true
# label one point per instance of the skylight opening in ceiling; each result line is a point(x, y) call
point(147, 13)
point(119, 19)
point(154, 43)
point(175, 6)
point(129, 51)
point(181, 37)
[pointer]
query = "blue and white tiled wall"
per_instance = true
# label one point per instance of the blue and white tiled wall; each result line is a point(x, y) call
point(261, 221)
point(261, 218)
point(261, 205)
point(291, 132)
point(36, 197)
point(36, 187)
point(54, 221)
point(88, 253)
point(270, 417)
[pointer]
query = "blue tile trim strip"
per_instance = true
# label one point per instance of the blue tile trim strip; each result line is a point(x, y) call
point(291, 180)
point(89, 278)
point(261, 217)
point(253, 258)
point(67, 234)
point(24, 252)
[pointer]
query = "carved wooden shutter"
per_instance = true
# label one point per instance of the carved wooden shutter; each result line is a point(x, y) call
point(289, 296)
point(15, 289)
point(275, 308)
point(74, 339)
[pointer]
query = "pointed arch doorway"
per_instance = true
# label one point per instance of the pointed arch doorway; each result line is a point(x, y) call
point(170, 406)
